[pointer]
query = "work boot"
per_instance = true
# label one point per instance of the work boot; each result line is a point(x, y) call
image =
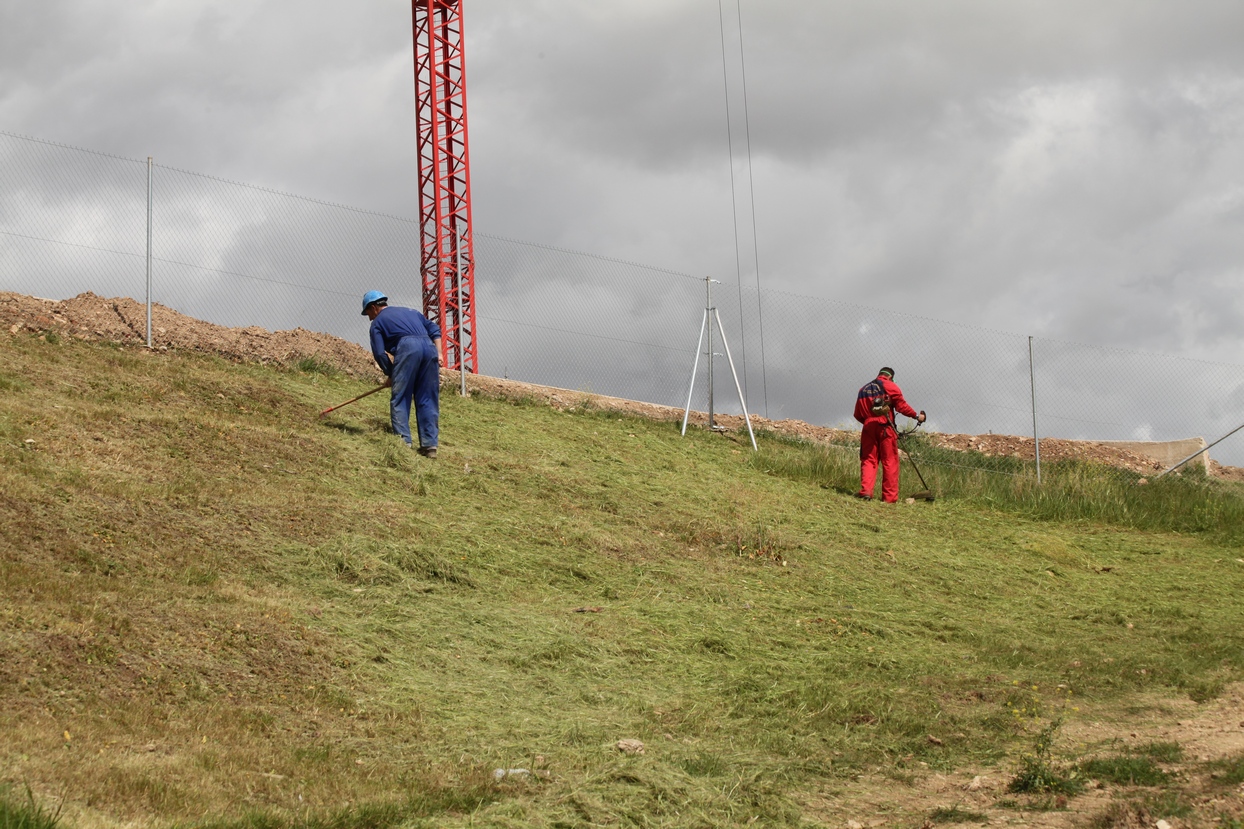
point(863, 497)
point(428, 451)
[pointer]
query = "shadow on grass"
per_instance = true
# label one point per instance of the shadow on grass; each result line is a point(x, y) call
point(342, 426)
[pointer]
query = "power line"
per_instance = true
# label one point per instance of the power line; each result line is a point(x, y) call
point(734, 210)
point(751, 193)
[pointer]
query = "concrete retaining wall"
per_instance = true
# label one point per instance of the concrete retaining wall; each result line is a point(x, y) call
point(1166, 452)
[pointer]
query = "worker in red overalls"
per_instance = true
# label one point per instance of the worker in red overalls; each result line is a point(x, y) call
point(875, 407)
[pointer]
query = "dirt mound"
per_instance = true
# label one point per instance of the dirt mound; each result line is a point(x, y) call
point(123, 320)
point(1052, 449)
point(120, 319)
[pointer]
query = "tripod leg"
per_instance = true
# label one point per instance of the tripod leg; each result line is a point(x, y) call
point(694, 367)
point(737, 387)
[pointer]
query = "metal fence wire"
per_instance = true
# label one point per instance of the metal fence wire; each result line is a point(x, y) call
point(74, 220)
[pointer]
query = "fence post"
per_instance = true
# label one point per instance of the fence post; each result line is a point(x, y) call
point(1032, 385)
point(149, 167)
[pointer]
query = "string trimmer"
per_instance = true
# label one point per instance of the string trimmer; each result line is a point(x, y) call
point(925, 494)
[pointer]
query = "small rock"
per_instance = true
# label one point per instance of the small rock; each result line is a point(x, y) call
point(910, 501)
point(854, 824)
point(501, 774)
point(935, 741)
point(629, 746)
point(1142, 482)
point(1161, 824)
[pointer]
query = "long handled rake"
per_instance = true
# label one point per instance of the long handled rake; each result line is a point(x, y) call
point(354, 399)
point(926, 494)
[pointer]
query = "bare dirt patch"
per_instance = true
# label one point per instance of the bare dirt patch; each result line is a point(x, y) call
point(123, 320)
point(1208, 734)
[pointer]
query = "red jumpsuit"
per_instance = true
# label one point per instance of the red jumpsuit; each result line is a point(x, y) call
point(878, 440)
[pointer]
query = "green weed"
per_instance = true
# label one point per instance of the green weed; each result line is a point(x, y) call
point(1166, 804)
point(312, 364)
point(1161, 752)
point(25, 813)
point(1125, 771)
point(1228, 771)
point(1038, 773)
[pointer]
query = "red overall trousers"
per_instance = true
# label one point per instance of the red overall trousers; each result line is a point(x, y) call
point(879, 440)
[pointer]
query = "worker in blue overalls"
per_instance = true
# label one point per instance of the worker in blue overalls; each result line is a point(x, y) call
point(414, 369)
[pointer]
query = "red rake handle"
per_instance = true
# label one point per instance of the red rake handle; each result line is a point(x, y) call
point(354, 399)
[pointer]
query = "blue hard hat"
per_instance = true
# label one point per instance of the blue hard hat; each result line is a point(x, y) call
point(372, 296)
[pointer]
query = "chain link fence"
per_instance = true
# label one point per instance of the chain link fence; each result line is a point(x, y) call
point(73, 220)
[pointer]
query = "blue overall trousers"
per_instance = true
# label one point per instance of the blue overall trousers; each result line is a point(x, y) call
point(416, 375)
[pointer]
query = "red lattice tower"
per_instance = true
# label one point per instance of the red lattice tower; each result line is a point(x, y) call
point(447, 258)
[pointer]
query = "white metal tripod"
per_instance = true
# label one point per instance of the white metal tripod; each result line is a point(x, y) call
point(706, 325)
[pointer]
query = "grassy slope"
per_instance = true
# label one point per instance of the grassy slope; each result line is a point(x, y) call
point(217, 604)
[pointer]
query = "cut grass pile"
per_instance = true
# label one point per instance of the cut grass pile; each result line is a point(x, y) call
point(221, 609)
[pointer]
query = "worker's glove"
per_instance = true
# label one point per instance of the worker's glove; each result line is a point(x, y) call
point(922, 418)
point(388, 382)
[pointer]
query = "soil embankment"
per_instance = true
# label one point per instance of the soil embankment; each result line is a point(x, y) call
point(123, 320)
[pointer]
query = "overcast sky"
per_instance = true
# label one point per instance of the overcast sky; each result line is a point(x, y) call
point(1056, 168)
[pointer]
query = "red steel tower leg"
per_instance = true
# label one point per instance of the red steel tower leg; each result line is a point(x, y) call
point(447, 259)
